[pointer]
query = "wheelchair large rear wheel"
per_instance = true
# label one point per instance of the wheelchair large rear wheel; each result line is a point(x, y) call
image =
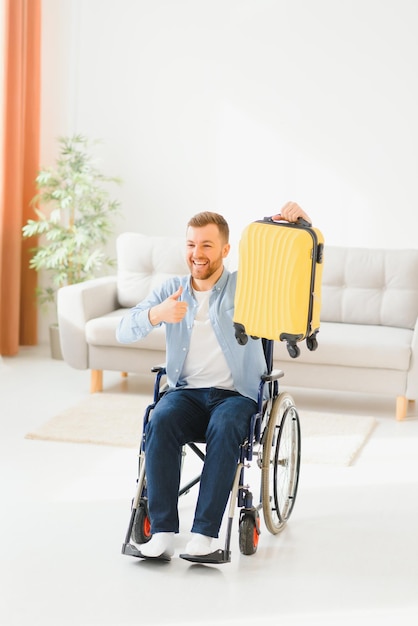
point(280, 462)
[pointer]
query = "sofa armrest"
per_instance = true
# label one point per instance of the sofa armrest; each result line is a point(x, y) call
point(412, 380)
point(76, 305)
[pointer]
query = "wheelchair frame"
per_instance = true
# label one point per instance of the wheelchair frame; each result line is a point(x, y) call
point(275, 429)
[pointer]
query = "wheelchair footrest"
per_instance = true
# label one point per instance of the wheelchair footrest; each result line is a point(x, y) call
point(131, 550)
point(213, 558)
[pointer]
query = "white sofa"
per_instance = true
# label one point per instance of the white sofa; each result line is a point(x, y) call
point(368, 340)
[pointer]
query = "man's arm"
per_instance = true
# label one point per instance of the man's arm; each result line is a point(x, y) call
point(156, 309)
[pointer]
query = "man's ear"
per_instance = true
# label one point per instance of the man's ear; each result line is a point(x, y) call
point(226, 250)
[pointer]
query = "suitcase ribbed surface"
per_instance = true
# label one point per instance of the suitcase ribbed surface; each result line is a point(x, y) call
point(274, 282)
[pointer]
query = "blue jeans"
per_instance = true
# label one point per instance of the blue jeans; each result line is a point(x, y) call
point(218, 416)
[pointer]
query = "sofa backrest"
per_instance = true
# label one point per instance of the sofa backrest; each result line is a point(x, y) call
point(367, 286)
point(144, 262)
point(359, 285)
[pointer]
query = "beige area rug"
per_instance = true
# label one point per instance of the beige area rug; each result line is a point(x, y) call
point(116, 420)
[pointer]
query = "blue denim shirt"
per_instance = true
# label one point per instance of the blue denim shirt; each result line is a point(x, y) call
point(247, 363)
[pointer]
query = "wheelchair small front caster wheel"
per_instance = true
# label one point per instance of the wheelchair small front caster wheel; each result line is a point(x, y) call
point(248, 535)
point(141, 530)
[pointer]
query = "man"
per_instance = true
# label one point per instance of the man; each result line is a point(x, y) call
point(213, 384)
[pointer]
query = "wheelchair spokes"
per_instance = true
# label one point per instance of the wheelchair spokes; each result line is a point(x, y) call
point(280, 462)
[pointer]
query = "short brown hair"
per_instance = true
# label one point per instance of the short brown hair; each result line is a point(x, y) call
point(207, 217)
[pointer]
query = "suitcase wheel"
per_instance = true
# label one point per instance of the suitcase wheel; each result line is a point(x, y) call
point(294, 351)
point(240, 334)
point(312, 343)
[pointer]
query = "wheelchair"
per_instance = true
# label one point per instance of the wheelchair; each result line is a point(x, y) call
point(274, 441)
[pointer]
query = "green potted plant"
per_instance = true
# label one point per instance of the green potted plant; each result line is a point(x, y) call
point(75, 215)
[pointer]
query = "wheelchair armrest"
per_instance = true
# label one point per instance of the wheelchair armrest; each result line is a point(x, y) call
point(158, 389)
point(274, 375)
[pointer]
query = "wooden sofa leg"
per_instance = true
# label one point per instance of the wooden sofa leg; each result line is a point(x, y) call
point(124, 374)
point(401, 407)
point(96, 381)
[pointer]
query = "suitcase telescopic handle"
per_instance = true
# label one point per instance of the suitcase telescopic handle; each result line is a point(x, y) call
point(299, 222)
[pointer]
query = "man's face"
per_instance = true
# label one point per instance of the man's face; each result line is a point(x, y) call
point(205, 251)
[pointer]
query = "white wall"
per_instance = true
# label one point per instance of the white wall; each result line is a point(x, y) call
point(239, 105)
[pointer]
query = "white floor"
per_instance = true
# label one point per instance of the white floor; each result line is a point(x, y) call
point(349, 554)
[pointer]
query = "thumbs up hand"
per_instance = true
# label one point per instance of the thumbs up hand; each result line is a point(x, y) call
point(171, 310)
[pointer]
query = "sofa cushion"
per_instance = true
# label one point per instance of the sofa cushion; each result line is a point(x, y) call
point(366, 286)
point(356, 345)
point(145, 262)
point(101, 331)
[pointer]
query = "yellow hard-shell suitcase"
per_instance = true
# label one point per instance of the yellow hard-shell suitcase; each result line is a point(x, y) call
point(278, 293)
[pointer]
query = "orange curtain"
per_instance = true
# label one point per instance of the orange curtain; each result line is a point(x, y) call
point(18, 307)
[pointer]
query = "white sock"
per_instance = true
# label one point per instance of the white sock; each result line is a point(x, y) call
point(199, 545)
point(160, 543)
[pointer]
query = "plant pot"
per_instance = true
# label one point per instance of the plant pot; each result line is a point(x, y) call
point(54, 342)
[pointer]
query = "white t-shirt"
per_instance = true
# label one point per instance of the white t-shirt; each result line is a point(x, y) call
point(205, 364)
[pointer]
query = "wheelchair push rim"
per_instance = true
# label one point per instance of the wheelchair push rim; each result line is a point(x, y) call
point(280, 462)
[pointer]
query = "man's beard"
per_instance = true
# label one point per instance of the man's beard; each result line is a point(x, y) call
point(203, 272)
